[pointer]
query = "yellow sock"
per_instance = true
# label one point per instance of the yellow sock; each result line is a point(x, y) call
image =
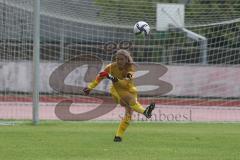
point(137, 107)
point(123, 125)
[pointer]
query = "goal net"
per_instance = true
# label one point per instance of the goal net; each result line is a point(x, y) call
point(191, 71)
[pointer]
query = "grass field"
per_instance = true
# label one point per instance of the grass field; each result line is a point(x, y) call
point(55, 140)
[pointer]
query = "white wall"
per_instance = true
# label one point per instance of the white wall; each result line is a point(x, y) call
point(186, 80)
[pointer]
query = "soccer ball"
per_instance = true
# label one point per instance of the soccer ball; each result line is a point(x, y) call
point(141, 27)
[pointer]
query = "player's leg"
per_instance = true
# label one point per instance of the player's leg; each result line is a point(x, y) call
point(131, 99)
point(127, 117)
point(123, 124)
point(125, 98)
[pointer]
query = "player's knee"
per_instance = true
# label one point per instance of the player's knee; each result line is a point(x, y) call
point(132, 102)
point(129, 100)
point(124, 103)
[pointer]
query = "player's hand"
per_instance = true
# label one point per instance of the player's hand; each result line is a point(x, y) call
point(105, 74)
point(129, 76)
point(86, 91)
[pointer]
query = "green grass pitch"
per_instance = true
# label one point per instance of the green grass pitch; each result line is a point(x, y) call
point(55, 140)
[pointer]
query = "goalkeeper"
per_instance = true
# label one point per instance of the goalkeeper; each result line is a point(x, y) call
point(123, 90)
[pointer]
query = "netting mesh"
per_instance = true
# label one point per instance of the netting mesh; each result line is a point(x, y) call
point(197, 88)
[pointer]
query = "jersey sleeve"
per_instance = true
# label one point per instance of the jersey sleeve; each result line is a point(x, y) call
point(98, 79)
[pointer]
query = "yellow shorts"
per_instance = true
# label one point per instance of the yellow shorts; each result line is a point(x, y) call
point(118, 93)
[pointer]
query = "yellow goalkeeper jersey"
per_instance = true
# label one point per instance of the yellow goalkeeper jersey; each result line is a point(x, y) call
point(124, 84)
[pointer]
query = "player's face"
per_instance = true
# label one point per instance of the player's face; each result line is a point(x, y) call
point(121, 60)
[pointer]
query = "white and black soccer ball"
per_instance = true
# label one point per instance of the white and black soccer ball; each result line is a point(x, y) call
point(141, 27)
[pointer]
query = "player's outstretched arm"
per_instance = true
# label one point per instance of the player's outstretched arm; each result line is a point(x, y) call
point(105, 74)
point(97, 80)
point(92, 85)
